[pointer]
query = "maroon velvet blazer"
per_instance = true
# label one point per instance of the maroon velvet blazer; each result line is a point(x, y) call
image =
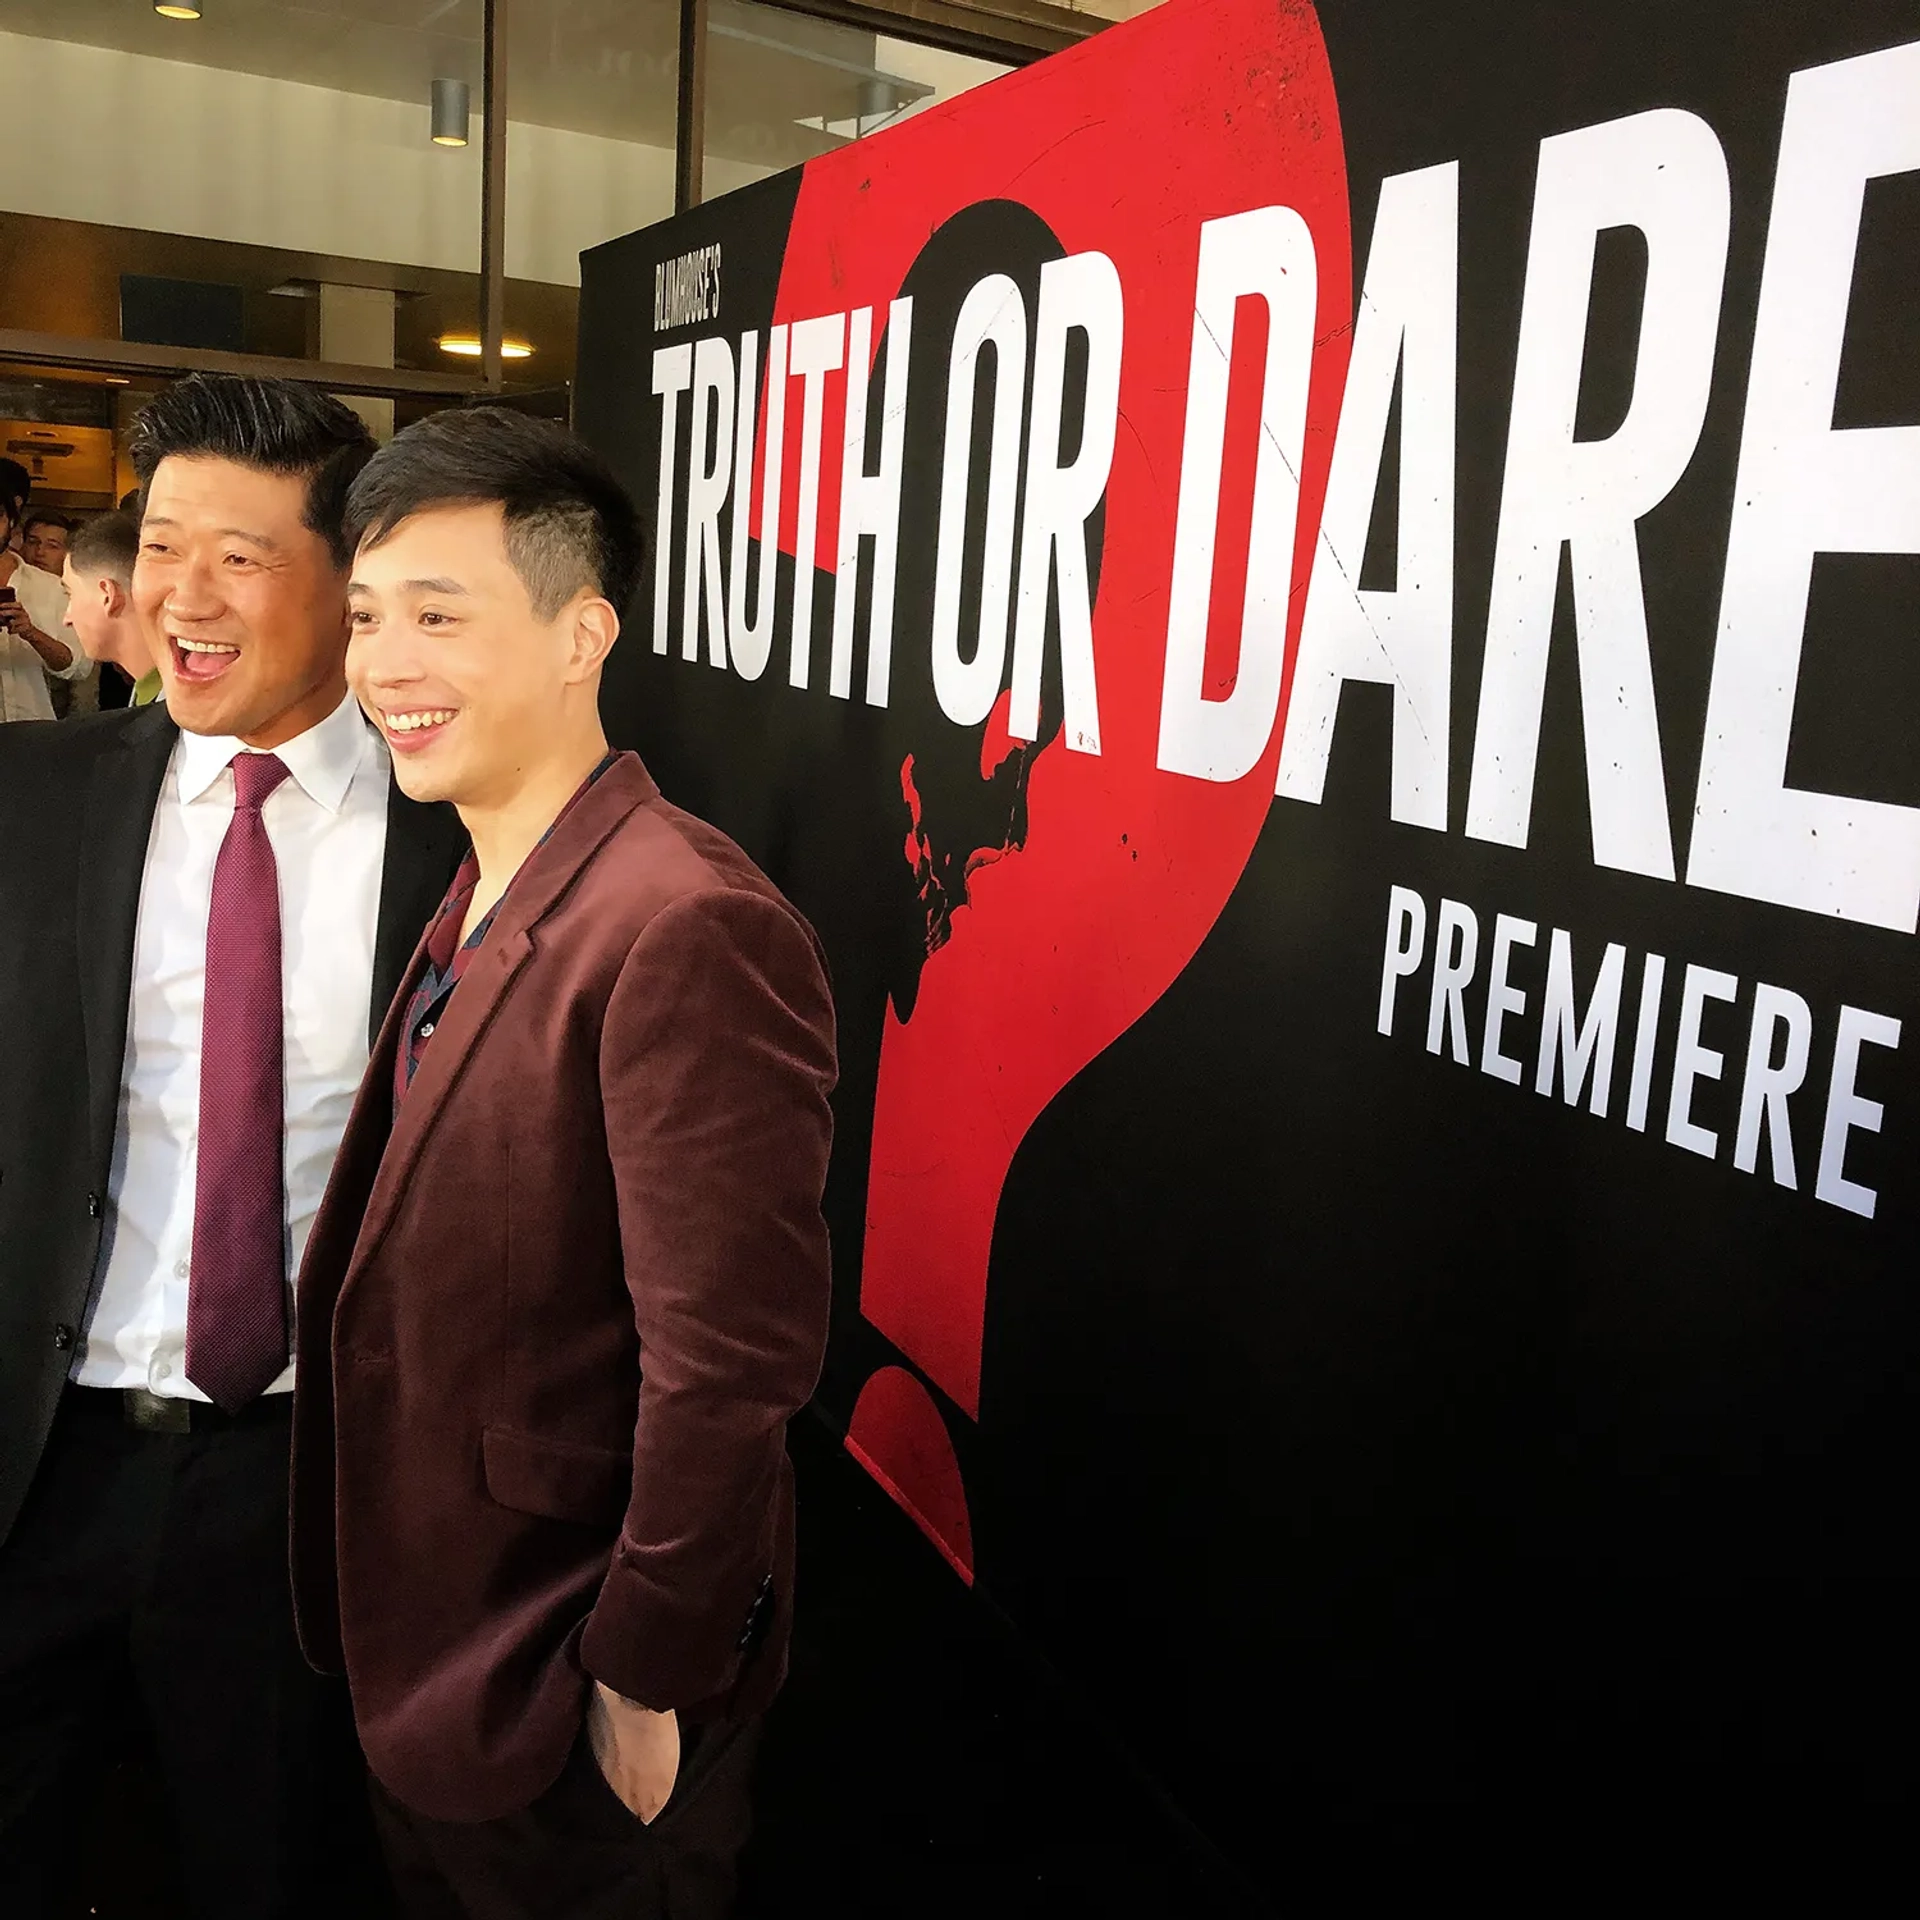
point(552, 1329)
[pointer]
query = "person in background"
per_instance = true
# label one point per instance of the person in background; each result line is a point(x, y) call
point(33, 621)
point(205, 908)
point(44, 538)
point(543, 1512)
point(16, 485)
point(98, 577)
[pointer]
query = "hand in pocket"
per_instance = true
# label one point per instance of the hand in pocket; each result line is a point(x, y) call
point(636, 1749)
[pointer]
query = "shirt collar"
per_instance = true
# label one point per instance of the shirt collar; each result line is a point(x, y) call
point(323, 760)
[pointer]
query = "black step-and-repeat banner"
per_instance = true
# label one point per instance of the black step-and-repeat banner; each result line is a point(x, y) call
point(1323, 609)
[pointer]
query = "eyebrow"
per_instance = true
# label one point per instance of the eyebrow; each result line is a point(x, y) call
point(441, 586)
point(221, 533)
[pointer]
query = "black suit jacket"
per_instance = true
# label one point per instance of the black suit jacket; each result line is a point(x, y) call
point(76, 813)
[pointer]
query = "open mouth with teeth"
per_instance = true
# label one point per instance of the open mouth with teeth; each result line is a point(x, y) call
point(410, 732)
point(198, 661)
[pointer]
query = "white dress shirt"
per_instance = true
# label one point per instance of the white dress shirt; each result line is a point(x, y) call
point(328, 826)
point(23, 674)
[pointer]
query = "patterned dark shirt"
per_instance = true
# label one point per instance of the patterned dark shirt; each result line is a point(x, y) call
point(448, 957)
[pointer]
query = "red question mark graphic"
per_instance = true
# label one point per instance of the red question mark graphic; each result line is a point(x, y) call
point(1070, 937)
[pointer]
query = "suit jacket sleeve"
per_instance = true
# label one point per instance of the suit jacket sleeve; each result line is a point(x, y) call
point(716, 1061)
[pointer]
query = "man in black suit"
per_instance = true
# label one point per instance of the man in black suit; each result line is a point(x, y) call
point(204, 911)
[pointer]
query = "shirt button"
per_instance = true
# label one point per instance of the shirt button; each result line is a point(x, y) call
point(180, 1269)
point(161, 1370)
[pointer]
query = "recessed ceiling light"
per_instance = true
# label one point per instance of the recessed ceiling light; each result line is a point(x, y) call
point(467, 345)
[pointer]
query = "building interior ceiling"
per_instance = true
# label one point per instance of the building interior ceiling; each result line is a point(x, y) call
point(603, 67)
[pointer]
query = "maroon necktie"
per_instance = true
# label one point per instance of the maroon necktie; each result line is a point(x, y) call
point(236, 1302)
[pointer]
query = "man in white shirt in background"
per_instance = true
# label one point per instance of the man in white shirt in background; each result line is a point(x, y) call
point(189, 981)
point(45, 538)
point(34, 642)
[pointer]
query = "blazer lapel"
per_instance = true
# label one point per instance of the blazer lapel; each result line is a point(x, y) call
point(424, 844)
point(539, 886)
point(122, 791)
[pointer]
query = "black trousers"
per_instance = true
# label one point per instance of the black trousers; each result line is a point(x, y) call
point(146, 1581)
point(577, 1853)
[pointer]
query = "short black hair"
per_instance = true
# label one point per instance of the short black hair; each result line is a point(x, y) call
point(569, 522)
point(107, 545)
point(46, 517)
point(276, 426)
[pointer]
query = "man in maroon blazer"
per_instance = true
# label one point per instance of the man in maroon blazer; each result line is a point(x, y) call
point(570, 1279)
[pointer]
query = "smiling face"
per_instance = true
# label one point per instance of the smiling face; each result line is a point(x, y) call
point(474, 690)
point(245, 607)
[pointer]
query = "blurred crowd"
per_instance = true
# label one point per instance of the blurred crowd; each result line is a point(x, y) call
point(68, 642)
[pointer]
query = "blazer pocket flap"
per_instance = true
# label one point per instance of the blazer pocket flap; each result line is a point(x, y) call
point(557, 1479)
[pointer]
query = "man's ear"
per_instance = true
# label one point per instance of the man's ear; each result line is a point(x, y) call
point(114, 596)
point(595, 628)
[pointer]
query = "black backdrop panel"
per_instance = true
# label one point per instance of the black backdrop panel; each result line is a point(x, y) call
point(1360, 1425)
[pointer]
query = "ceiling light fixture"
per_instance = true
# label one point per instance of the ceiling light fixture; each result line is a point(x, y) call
point(450, 107)
point(467, 345)
point(177, 9)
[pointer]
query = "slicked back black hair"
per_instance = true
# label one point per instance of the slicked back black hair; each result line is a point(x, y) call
point(105, 547)
point(275, 426)
point(569, 522)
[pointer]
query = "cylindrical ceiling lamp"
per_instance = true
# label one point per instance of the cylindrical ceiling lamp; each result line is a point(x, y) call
point(449, 113)
point(177, 9)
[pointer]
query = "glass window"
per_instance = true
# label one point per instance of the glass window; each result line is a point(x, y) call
point(302, 178)
point(782, 88)
point(261, 179)
point(591, 100)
